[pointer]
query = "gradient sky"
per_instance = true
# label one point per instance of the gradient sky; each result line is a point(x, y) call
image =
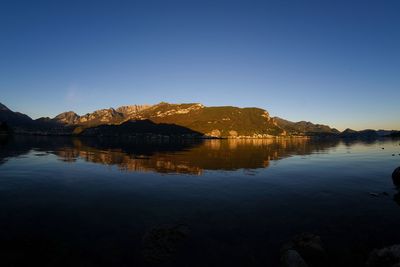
point(332, 62)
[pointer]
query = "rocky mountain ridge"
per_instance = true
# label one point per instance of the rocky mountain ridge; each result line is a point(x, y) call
point(222, 121)
point(132, 110)
point(305, 127)
point(102, 116)
point(210, 121)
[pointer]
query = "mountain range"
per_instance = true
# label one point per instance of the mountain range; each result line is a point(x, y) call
point(165, 119)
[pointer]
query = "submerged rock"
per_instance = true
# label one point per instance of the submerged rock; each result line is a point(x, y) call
point(385, 257)
point(310, 249)
point(396, 176)
point(161, 244)
point(396, 198)
point(291, 258)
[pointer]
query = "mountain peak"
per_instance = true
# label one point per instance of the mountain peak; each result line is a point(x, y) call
point(348, 130)
point(304, 127)
point(68, 117)
point(132, 109)
point(67, 114)
point(3, 107)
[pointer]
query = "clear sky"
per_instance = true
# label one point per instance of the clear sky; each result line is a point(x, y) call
point(332, 62)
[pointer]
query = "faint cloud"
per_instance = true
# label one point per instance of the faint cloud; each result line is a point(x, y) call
point(73, 95)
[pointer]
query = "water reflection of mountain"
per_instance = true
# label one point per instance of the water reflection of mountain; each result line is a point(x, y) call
point(185, 156)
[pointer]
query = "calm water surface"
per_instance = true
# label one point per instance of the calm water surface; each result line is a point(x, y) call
point(87, 202)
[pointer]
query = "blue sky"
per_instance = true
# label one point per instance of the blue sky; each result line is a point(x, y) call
point(331, 62)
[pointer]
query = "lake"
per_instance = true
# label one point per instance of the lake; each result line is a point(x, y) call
point(102, 202)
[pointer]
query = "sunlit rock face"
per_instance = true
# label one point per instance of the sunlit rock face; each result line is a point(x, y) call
point(214, 133)
point(69, 117)
point(103, 116)
point(233, 133)
point(249, 122)
point(132, 111)
point(166, 109)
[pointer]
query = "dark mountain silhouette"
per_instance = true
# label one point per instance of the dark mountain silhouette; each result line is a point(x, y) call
point(349, 133)
point(23, 124)
point(305, 128)
point(140, 128)
point(14, 119)
point(4, 128)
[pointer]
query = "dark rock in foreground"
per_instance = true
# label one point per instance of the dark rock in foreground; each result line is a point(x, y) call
point(161, 244)
point(291, 258)
point(396, 176)
point(385, 257)
point(309, 249)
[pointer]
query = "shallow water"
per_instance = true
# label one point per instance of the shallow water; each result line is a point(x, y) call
point(90, 202)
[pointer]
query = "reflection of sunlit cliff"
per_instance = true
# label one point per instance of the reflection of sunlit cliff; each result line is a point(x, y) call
point(231, 154)
point(125, 161)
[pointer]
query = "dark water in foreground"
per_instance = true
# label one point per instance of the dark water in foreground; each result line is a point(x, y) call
point(70, 202)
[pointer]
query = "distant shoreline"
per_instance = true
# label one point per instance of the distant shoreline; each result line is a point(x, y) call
point(183, 137)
